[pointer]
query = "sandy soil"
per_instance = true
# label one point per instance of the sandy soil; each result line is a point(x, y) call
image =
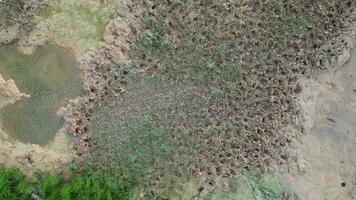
point(326, 153)
point(28, 157)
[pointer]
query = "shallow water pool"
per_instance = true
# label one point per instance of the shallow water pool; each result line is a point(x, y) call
point(51, 78)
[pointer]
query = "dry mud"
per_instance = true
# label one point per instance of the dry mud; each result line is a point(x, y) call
point(326, 153)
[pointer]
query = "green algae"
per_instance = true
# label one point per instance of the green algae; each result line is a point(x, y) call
point(51, 78)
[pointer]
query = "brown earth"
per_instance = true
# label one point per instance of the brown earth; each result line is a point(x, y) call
point(325, 154)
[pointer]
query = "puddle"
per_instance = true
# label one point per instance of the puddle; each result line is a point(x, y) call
point(327, 152)
point(51, 78)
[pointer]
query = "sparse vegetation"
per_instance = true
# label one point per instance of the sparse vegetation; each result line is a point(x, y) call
point(11, 3)
point(254, 187)
point(237, 64)
point(136, 135)
point(6, 9)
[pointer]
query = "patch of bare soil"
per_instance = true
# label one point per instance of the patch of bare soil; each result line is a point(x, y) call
point(326, 158)
point(28, 157)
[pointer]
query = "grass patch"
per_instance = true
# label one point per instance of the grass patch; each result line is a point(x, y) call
point(135, 132)
point(137, 145)
point(80, 186)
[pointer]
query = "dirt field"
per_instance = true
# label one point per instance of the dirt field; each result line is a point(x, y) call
point(205, 99)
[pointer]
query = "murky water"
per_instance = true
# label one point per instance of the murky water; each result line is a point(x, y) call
point(51, 78)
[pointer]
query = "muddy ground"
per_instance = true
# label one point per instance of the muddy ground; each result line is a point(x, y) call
point(289, 113)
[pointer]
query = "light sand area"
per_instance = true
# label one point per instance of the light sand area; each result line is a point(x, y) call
point(326, 168)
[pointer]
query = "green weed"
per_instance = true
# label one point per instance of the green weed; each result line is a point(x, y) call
point(13, 185)
point(81, 186)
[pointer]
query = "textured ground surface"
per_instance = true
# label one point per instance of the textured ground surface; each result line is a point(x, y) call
point(192, 94)
point(326, 153)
